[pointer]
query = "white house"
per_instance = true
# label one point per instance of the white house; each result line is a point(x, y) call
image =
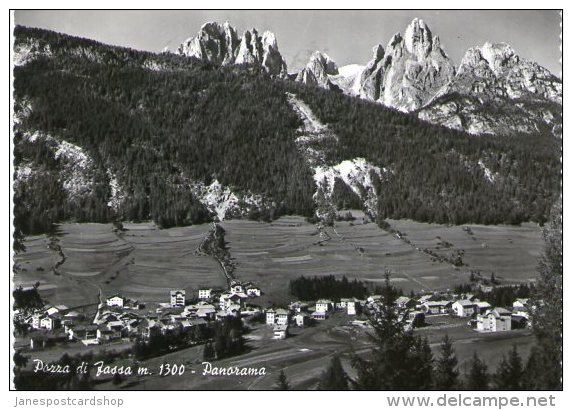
point(280, 331)
point(435, 307)
point(374, 299)
point(36, 319)
point(298, 306)
point(323, 305)
point(425, 298)
point(405, 302)
point(463, 308)
point(226, 300)
point(115, 300)
point(282, 316)
point(108, 335)
point(177, 297)
point(236, 287)
point(352, 307)
point(319, 315)
point(301, 319)
point(57, 309)
point(253, 291)
point(205, 310)
point(205, 293)
point(86, 334)
point(270, 316)
point(495, 320)
point(50, 322)
point(482, 307)
point(520, 303)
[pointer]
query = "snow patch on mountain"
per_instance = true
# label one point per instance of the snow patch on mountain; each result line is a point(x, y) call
point(349, 78)
point(153, 66)
point(223, 201)
point(118, 195)
point(358, 174)
point(311, 123)
point(22, 173)
point(489, 175)
point(311, 131)
point(78, 165)
point(29, 50)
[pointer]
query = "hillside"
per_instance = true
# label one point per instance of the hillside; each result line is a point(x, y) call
point(105, 133)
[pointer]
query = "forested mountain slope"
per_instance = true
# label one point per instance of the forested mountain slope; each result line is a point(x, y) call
point(107, 133)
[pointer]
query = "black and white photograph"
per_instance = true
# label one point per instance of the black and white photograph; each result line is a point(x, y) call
point(213, 200)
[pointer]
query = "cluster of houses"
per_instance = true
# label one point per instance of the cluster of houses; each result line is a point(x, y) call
point(483, 316)
point(118, 317)
point(303, 313)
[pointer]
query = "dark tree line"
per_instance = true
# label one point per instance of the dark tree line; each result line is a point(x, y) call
point(328, 286)
point(27, 300)
point(545, 361)
point(499, 295)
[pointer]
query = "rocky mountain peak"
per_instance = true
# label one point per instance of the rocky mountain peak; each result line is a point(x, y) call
point(219, 44)
point(526, 97)
point(317, 70)
point(418, 38)
point(498, 54)
point(323, 61)
point(413, 68)
point(494, 70)
point(272, 60)
point(495, 57)
point(250, 50)
point(216, 43)
point(262, 50)
point(378, 52)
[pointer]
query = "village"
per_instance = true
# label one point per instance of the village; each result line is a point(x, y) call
point(118, 318)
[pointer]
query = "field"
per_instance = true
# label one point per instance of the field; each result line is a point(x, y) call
point(272, 254)
point(145, 262)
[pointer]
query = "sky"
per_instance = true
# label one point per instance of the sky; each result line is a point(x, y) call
point(348, 37)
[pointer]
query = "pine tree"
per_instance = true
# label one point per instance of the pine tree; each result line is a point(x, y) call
point(509, 374)
point(422, 375)
point(395, 362)
point(334, 378)
point(547, 319)
point(478, 377)
point(282, 381)
point(446, 375)
point(20, 360)
point(535, 366)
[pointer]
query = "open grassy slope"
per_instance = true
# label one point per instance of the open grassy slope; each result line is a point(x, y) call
point(145, 262)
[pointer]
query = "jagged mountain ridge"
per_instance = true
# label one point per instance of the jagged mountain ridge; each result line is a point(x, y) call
point(219, 44)
point(411, 69)
point(493, 91)
point(497, 92)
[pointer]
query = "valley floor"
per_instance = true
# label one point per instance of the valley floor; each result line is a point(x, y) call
point(144, 263)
